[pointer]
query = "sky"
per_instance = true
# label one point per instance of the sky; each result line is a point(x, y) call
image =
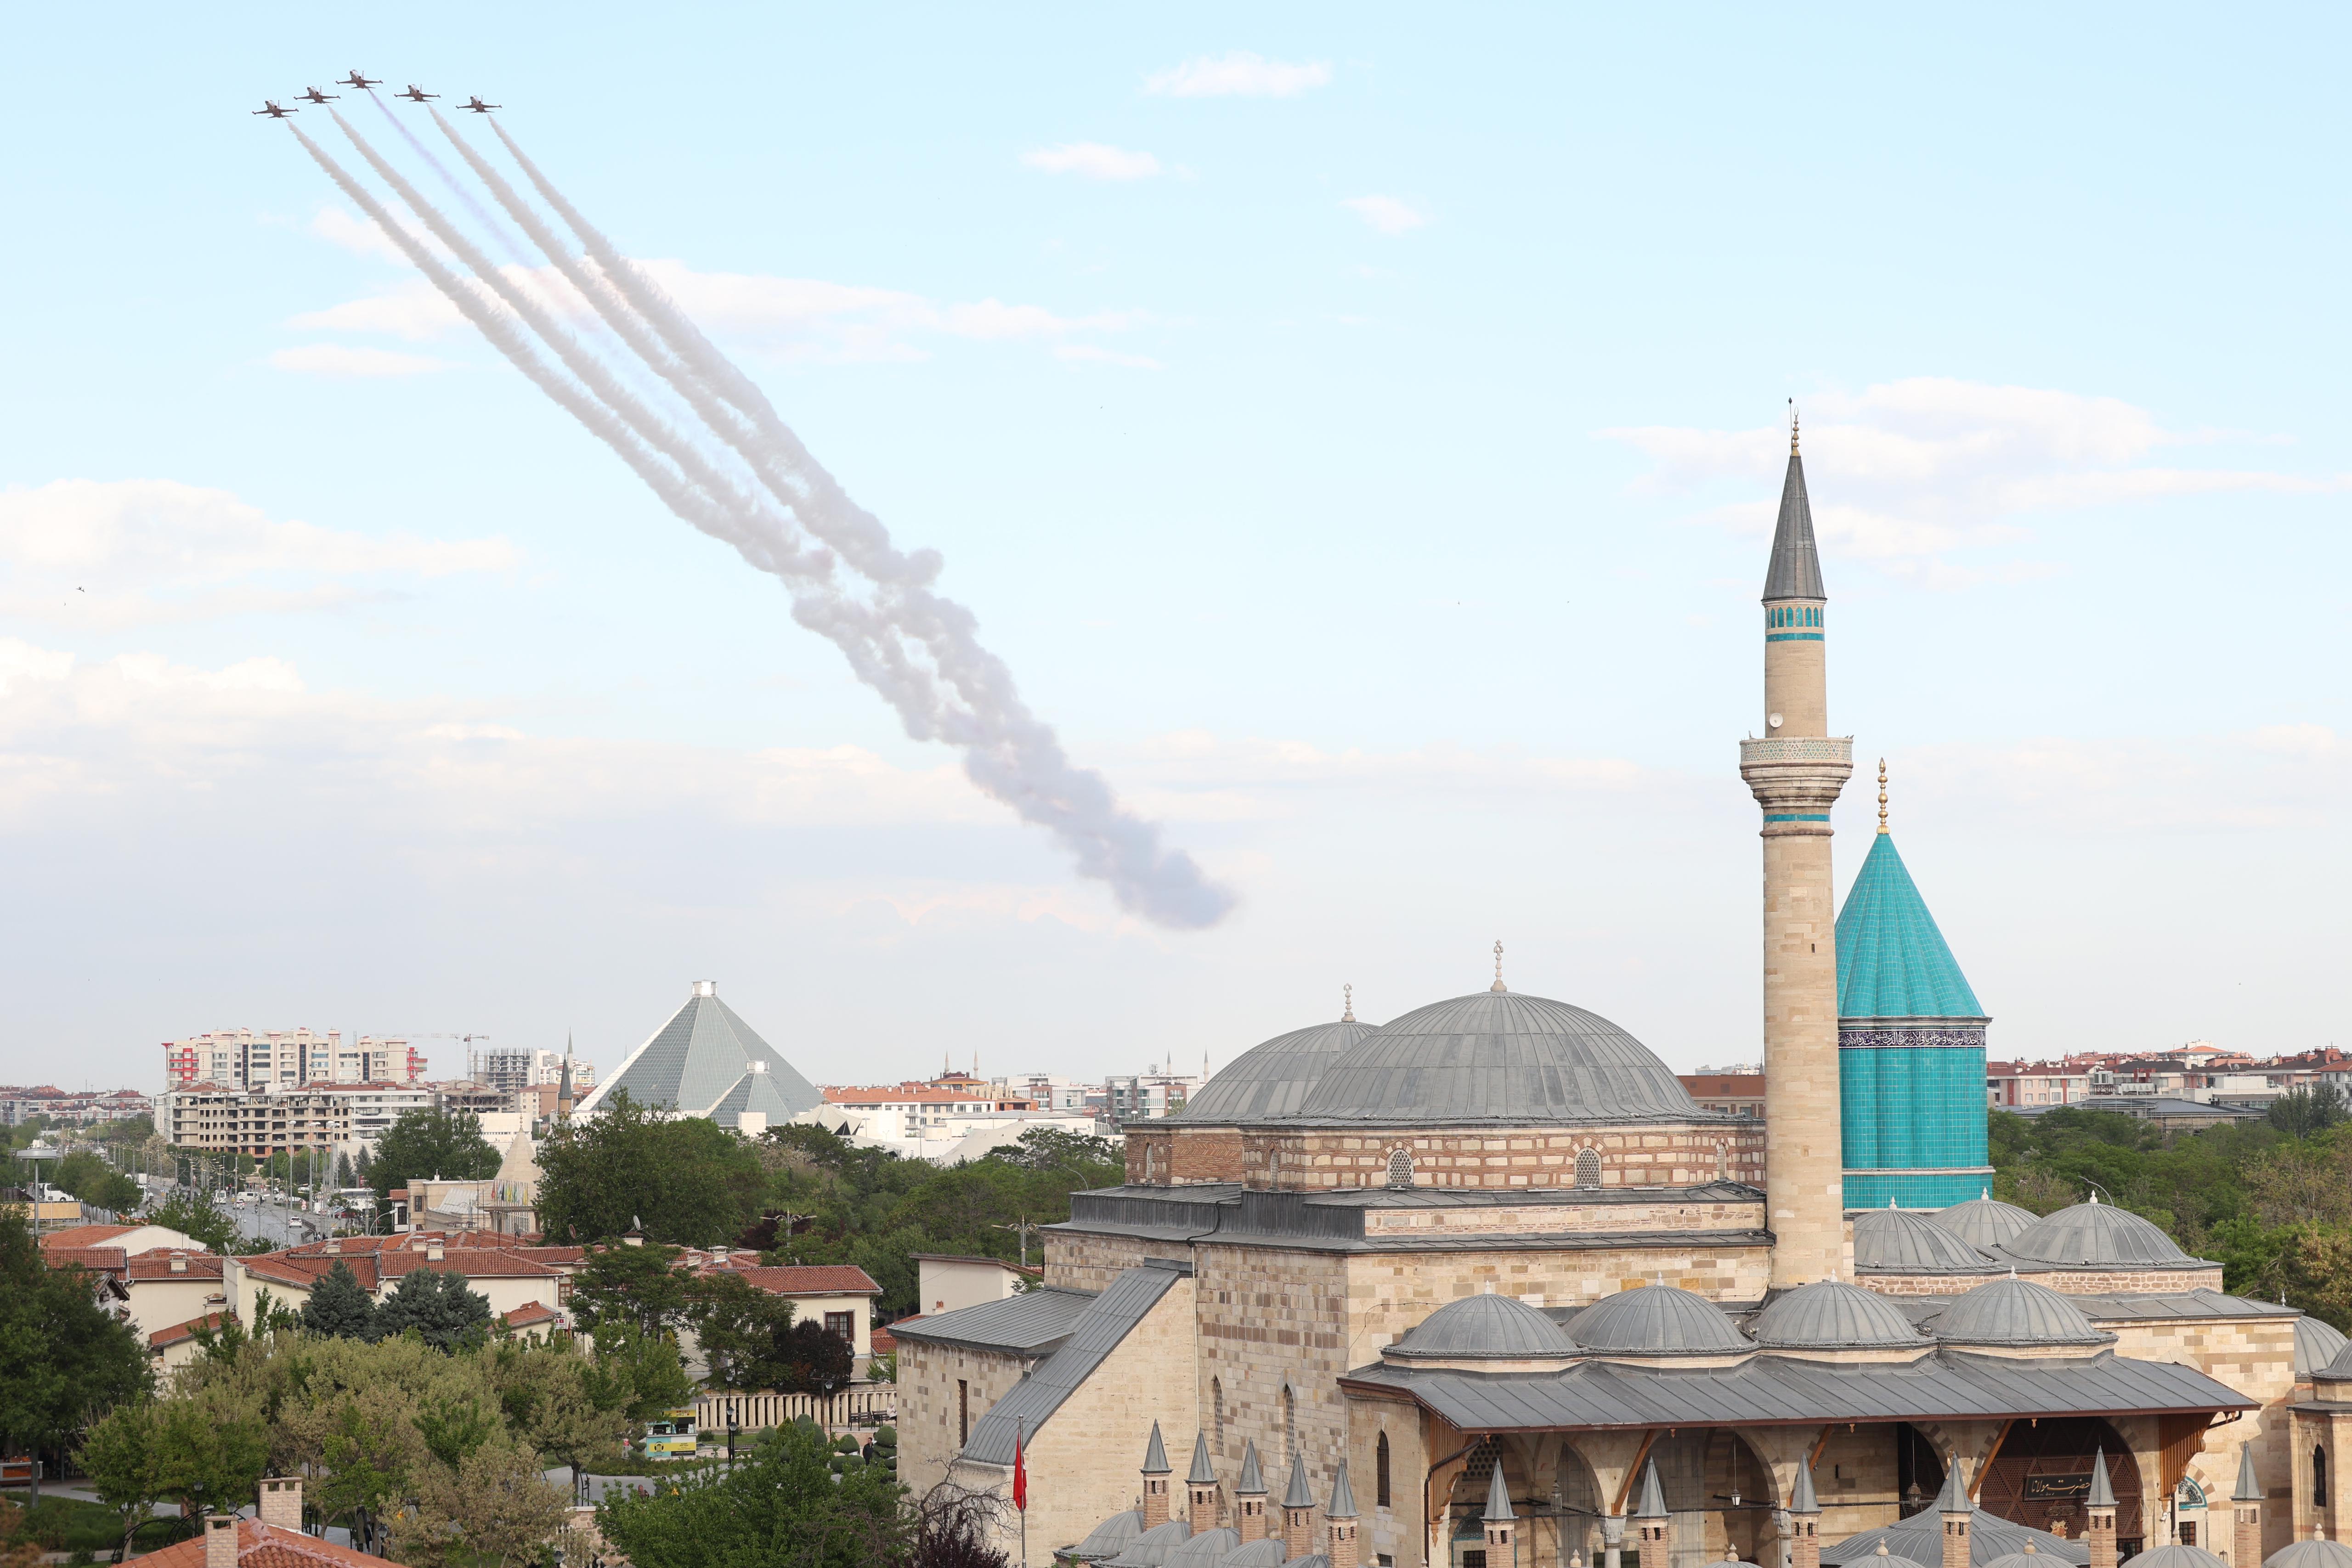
point(1356, 429)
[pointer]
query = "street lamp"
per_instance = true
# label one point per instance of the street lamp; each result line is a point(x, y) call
point(734, 1426)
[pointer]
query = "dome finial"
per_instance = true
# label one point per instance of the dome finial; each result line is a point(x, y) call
point(1498, 985)
point(1348, 1007)
point(1792, 427)
point(1881, 794)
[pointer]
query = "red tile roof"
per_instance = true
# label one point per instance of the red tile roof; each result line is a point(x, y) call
point(97, 1260)
point(260, 1546)
point(163, 1339)
point(156, 1264)
point(74, 1236)
point(530, 1314)
point(805, 1279)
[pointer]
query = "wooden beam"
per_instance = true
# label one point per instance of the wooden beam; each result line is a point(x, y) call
point(1634, 1472)
point(1976, 1487)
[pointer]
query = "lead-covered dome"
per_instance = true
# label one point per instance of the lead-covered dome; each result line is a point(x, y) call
point(1108, 1538)
point(2310, 1555)
point(1484, 1328)
point(2098, 1235)
point(1831, 1314)
point(1984, 1221)
point(1272, 1079)
point(1495, 1056)
point(2317, 1344)
point(2173, 1555)
point(2017, 1312)
point(1900, 1242)
point(1656, 1320)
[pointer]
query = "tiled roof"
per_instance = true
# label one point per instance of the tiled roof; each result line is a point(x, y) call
point(80, 1236)
point(260, 1546)
point(529, 1313)
point(163, 1339)
point(807, 1278)
point(1892, 960)
point(97, 1260)
point(157, 1265)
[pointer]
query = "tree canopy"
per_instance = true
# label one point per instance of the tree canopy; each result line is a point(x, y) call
point(431, 1143)
point(685, 1180)
point(444, 1312)
point(64, 1359)
point(341, 1308)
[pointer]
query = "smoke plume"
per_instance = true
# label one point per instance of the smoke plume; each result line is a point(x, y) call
point(722, 460)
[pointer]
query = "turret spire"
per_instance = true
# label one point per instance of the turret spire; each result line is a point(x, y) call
point(1348, 1007)
point(1881, 794)
point(1796, 569)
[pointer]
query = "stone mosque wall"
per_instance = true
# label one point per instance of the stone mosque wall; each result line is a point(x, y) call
point(1659, 1155)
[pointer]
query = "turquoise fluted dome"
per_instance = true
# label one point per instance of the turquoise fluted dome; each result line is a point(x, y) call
point(1893, 963)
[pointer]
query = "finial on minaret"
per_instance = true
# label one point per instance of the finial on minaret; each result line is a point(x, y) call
point(1498, 985)
point(1348, 1009)
point(1881, 794)
point(1792, 427)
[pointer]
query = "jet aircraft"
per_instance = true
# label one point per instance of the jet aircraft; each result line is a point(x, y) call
point(359, 82)
point(477, 105)
point(415, 94)
point(272, 111)
point(313, 95)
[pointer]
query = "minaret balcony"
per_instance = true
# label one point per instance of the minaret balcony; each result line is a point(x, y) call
point(1797, 779)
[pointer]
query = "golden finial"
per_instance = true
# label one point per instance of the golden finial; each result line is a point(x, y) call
point(1348, 1009)
point(1881, 794)
point(1498, 985)
point(1792, 427)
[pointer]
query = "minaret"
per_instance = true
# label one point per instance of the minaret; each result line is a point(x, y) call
point(1795, 773)
point(563, 1086)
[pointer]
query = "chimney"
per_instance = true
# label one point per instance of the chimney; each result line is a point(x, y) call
point(1340, 1522)
point(1957, 1512)
point(2246, 1503)
point(334, 1248)
point(220, 1541)
point(179, 1262)
point(1155, 1480)
point(1805, 1522)
point(281, 1502)
point(1201, 1487)
point(1502, 1525)
point(433, 1252)
point(2099, 1515)
point(1249, 1496)
point(1297, 1511)
point(1652, 1521)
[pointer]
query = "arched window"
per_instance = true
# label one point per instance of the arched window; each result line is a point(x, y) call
point(1587, 1167)
point(1217, 1415)
point(1723, 1162)
point(1399, 1167)
point(2319, 1478)
point(1381, 1473)
point(1289, 1424)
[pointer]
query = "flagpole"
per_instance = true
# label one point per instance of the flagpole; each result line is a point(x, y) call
point(1021, 1494)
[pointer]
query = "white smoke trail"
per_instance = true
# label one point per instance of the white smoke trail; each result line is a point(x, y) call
point(1007, 751)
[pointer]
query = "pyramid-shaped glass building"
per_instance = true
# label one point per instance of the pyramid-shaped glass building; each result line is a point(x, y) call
point(707, 1061)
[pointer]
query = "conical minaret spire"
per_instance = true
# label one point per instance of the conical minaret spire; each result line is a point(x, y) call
point(1796, 771)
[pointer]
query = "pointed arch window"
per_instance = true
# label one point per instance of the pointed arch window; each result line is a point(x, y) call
point(2319, 1476)
point(1217, 1414)
point(1587, 1167)
point(1289, 1424)
point(1399, 1167)
point(1381, 1473)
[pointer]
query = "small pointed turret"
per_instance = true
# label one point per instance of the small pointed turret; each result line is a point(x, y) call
point(2249, 1489)
point(1958, 1511)
point(1498, 1496)
point(1804, 1522)
point(2246, 1509)
point(1343, 1497)
point(1297, 1510)
point(1201, 1504)
point(1203, 1473)
point(1340, 1523)
point(1796, 569)
point(1253, 1482)
point(1155, 1454)
point(1299, 1494)
point(2099, 1514)
point(1803, 1499)
point(1155, 1480)
point(1650, 1523)
point(1249, 1496)
point(1654, 1496)
point(2102, 1494)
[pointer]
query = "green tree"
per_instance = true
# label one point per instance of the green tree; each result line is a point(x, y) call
point(339, 1308)
point(172, 1450)
point(684, 1180)
point(439, 1306)
point(809, 1358)
point(642, 1286)
point(200, 1222)
point(64, 1360)
point(740, 1329)
point(637, 1375)
point(86, 1174)
point(429, 1143)
point(781, 1507)
point(2307, 1109)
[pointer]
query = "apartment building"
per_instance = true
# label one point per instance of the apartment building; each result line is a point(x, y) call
point(523, 1066)
point(332, 1118)
point(259, 1059)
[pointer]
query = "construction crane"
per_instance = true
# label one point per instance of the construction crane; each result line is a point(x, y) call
point(467, 1039)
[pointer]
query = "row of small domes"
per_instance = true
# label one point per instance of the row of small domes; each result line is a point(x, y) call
point(1985, 1234)
point(1666, 1321)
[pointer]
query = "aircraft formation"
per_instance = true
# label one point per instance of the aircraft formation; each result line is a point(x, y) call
point(415, 94)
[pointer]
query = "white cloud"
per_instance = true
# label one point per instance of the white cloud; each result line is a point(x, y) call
point(341, 227)
point(337, 359)
point(1386, 214)
point(134, 551)
point(1239, 74)
point(1095, 159)
point(794, 318)
point(1926, 466)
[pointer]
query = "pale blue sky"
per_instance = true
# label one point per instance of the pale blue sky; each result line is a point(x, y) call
point(1370, 478)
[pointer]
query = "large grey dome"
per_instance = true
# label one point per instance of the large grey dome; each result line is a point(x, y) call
point(1498, 1057)
point(1831, 1314)
point(2172, 1555)
point(1900, 1242)
point(1656, 1319)
point(2096, 1234)
point(1488, 1327)
point(2016, 1312)
point(2317, 1344)
point(1985, 1221)
point(1272, 1079)
point(2310, 1555)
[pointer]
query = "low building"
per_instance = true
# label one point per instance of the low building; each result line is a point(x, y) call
point(2014, 1085)
point(508, 1277)
point(838, 1295)
point(948, 1281)
point(1732, 1093)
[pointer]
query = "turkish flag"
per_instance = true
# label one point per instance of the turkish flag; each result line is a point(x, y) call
point(1020, 1475)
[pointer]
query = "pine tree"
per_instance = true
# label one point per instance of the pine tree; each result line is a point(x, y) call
point(438, 1306)
point(339, 1308)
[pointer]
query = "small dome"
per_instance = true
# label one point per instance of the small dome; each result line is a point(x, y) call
point(2338, 1369)
point(1656, 1319)
point(2311, 1554)
point(1983, 1222)
point(1110, 1537)
point(1272, 1079)
point(1497, 1056)
point(1266, 1551)
point(2019, 1313)
point(2175, 1555)
point(1205, 1549)
point(2028, 1560)
point(1152, 1548)
point(2098, 1235)
point(2316, 1344)
point(1900, 1242)
point(1497, 1327)
point(1830, 1314)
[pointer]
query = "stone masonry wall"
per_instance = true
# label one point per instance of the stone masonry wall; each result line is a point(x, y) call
point(1271, 1318)
point(1576, 1219)
point(1083, 1262)
point(1666, 1154)
point(927, 1377)
point(2255, 1357)
point(2065, 1281)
